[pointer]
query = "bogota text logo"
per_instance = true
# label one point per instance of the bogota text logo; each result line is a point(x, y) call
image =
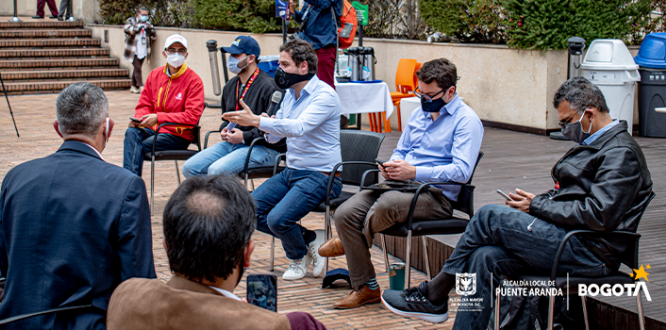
point(619, 289)
point(465, 284)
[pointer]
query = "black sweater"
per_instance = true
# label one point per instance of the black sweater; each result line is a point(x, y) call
point(258, 98)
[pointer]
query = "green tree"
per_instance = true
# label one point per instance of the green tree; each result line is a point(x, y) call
point(481, 21)
point(256, 16)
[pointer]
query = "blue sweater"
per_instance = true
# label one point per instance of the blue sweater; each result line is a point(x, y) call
point(320, 27)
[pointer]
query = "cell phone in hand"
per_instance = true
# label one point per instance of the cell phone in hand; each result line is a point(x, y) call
point(505, 195)
point(380, 163)
point(136, 120)
point(231, 127)
point(262, 291)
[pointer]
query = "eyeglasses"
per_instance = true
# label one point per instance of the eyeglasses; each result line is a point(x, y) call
point(426, 97)
point(172, 51)
point(563, 123)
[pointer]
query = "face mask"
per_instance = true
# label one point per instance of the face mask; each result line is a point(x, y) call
point(433, 105)
point(232, 65)
point(106, 132)
point(143, 18)
point(285, 80)
point(176, 60)
point(574, 131)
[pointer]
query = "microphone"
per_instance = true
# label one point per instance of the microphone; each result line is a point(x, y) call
point(275, 101)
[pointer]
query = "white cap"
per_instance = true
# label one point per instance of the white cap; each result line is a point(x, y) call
point(175, 38)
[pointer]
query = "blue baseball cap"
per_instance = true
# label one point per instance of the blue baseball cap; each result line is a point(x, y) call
point(244, 44)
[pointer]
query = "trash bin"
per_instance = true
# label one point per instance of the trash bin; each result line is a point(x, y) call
point(651, 59)
point(269, 64)
point(609, 65)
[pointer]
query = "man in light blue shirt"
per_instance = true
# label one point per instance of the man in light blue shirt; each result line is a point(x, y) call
point(440, 143)
point(309, 118)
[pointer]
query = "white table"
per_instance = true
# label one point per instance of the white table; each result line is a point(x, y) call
point(364, 98)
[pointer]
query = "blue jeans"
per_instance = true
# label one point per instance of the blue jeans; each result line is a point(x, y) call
point(227, 158)
point(285, 199)
point(497, 242)
point(139, 141)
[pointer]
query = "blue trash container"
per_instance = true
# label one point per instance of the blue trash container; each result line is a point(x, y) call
point(269, 64)
point(651, 59)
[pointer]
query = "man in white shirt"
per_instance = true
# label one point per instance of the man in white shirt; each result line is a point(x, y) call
point(139, 33)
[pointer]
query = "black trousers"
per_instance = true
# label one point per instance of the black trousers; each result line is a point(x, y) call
point(137, 78)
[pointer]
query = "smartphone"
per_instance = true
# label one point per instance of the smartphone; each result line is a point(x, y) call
point(231, 127)
point(380, 163)
point(505, 195)
point(346, 31)
point(135, 120)
point(262, 291)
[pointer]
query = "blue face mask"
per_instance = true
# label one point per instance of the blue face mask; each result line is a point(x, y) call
point(143, 18)
point(232, 65)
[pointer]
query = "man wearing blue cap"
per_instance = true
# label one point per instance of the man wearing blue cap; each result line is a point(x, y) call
point(255, 88)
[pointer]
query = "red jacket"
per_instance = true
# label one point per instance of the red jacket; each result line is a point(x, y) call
point(178, 99)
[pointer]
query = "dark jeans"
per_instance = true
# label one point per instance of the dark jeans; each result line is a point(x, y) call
point(369, 212)
point(64, 7)
point(137, 78)
point(285, 199)
point(139, 141)
point(497, 242)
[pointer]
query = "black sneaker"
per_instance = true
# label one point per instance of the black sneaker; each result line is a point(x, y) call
point(413, 303)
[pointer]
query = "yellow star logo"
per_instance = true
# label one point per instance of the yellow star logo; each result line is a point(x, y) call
point(641, 273)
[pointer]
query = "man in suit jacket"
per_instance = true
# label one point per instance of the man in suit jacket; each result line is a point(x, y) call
point(72, 227)
point(208, 224)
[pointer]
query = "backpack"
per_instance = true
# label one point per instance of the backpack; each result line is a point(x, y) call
point(348, 16)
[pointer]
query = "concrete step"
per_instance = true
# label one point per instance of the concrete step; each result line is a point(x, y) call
point(18, 76)
point(57, 86)
point(16, 43)
point(41, 24)
point(5, 54)
point(48, 33)
point(46, 63)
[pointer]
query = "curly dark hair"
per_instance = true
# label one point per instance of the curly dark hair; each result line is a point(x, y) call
point(581, 93)
point(208, 222)
point(441, 70)
point(301, 50)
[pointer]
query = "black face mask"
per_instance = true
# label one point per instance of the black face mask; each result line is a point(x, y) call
point(432, 106)
point(285, 80)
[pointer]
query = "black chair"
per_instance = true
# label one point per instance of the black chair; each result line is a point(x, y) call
point(416, 227)
point(48, 311)
point(359, 150)
point(174, 155)
point(569, 285)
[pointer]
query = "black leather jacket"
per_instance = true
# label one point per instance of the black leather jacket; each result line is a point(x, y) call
point(604, 186)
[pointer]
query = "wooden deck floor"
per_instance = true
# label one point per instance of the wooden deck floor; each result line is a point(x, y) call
point(517, 160)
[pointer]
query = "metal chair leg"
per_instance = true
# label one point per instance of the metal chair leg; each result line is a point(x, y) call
point(408, 270)
point(641, 318)
point(152, 185)
point(551, 312)
point(252, 183)
point(587, 322)
point(245, 180)
point(272, 252)
point(386, 261)
point(497, 307)
point(177, 171)
point(425, 254)
point(327, 231)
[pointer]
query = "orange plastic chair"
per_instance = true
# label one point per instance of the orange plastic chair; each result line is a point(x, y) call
point(405, 82)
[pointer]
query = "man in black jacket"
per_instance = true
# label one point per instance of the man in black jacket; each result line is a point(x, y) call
point(602, 184)
point(255, 88)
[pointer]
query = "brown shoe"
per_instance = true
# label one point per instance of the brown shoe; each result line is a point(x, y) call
point(332, 248)
point(358, 298)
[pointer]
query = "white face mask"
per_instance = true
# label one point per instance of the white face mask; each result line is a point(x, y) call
point(107, 132)
point(176, 60)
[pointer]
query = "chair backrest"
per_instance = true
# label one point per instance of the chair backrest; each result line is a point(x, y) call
point(404, 75)
point(416, 68)
point(465, 201)
point(358, 145)
point(196, 131)
point(630, 256)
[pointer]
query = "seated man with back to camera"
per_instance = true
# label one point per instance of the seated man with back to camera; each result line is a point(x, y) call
point(601, 184)
point(440, 143)
point(208, 226)
point(72, 226)
point(256, 88)
point(172, 94)
point(309, 118)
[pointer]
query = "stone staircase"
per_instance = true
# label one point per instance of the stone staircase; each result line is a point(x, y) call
point(45, 56)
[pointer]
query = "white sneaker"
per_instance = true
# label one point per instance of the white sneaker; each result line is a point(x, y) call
point(134, 90)
point(297, 269)
point(318, 262)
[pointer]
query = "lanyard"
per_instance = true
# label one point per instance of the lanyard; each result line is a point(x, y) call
point(247, 86)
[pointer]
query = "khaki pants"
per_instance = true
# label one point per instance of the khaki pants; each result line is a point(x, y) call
point(370, 212)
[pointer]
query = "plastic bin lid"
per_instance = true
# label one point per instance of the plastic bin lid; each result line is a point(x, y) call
point(269, 58)
point(652, 53)
point(608, 54)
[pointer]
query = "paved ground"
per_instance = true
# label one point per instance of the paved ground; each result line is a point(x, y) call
point(34, 117)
